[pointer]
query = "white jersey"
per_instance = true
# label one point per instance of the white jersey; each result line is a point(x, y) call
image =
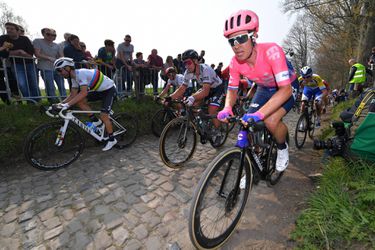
point(93, 78)
point(178, 81)
point(206, 75)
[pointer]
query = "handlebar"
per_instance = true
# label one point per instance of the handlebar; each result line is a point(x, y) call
point(256, 126)
point(54, 113)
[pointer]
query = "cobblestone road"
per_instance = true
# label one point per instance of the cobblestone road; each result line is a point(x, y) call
point(129, 200)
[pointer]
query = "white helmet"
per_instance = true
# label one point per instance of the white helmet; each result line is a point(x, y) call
point(62, 62)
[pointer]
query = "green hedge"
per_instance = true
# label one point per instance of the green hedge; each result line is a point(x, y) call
point(16, 122)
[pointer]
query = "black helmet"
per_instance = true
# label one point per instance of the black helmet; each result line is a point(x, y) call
point(189, 54)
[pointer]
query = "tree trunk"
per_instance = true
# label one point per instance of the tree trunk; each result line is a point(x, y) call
point(367, 31)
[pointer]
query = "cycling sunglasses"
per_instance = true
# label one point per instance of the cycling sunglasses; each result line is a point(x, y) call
point(240, 39)
point(188, 62)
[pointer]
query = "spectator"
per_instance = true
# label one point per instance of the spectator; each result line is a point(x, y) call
point(357, 77)
point(179, 64)
point(213, 66)
point(23, 68)
point(156, 63)
point(218, 70)
point(371, 63)
point(73, 50)
point(106, 58)
point(86, 53)
point(4, 53)
point(168, 63)
point(64, 43)
point(21, 30)
point(47, 51)
point(124, 61)
point(225, 77)
point(201, 56)
point(141, 72)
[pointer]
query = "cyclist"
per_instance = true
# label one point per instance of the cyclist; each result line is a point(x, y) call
point(312, 85)
point(175, 80)
point(92, 85)
point(212, 89)
point(328, 96)
point(265, 64)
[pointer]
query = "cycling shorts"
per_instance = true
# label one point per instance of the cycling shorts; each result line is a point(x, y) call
point(107, 97)
point(263, 95)
point(309, 92)
point(216, 96)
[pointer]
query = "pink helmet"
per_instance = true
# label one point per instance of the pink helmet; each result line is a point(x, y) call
point(240, 21)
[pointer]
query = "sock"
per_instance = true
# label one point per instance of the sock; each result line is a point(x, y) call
point(93, 118)
point(111, 138)
point(281, 146)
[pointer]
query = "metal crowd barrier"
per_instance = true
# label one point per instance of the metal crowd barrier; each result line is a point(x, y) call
point(136, 81)
point(28, 79)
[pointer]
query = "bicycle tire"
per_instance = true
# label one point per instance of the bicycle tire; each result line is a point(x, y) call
point(222, 171)
point(41, 152)
point(224, 130)
point(302, 130)
point(172, 145)
point(273, 177)
point(160, 120)
point(312, 124)
point(130, 123)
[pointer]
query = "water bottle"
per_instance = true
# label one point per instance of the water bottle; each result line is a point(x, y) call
point(91, 126)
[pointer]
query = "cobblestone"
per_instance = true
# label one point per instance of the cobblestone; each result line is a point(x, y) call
point(121, 199)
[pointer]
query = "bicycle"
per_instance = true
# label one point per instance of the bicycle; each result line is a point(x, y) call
point(161, 118)
point(179, 137)
point(57, 144)
point(219, 200)
point(305, 124)
point(239, 109)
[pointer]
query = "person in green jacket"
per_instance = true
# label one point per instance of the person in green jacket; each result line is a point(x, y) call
point(357, 77)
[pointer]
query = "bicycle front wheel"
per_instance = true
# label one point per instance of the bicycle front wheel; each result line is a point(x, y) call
point(42, 151)
point(177, 142)
point(313, 119)
point(130, 124)
point(215, 210)
point(160, 120)
point(301, 131)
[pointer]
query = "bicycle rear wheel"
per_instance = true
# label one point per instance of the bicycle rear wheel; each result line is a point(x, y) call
point(273, 176)
point(160, 120)
point(130, 124)
point(177, 142)
point(219, 139)
point(214, 211)
point(301, 131)
point(41, 151)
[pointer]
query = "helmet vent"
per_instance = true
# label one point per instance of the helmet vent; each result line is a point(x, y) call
point(238, 20)
point(231, 22)
point(248, 19)
point(226, 25)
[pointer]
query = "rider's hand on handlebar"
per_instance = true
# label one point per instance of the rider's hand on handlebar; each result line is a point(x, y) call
point(224, 114)
point(257, 116)
point(190, 101)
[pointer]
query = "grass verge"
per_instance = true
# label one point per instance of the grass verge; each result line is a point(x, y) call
point(17, 121)
point(340, 214)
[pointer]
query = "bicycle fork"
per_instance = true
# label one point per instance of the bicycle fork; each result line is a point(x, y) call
point(61, 134)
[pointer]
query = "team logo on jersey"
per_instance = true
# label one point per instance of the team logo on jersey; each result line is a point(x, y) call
point(273, 53)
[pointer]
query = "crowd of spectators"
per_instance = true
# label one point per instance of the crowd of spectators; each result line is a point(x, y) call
point(117, 63)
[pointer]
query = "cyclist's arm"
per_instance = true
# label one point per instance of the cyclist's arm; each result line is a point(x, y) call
point(203, 92)
point(231, 97)
point(179, 92)
point(277, 100)
point(80, 96)
point(165, 90)
point(73, 93)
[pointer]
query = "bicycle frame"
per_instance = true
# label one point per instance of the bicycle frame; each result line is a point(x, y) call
point(69, 116)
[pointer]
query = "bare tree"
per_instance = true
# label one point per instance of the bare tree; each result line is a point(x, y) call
point(7, 15)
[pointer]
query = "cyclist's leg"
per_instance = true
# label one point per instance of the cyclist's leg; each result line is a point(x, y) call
point(107, 102)
point(306, 96)
point(318, 102)
point(215, 100)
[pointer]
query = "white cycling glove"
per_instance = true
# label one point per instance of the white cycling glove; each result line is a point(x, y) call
point(190, 101)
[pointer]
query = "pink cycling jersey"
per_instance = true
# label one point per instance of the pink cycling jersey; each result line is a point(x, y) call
point(270, 68)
